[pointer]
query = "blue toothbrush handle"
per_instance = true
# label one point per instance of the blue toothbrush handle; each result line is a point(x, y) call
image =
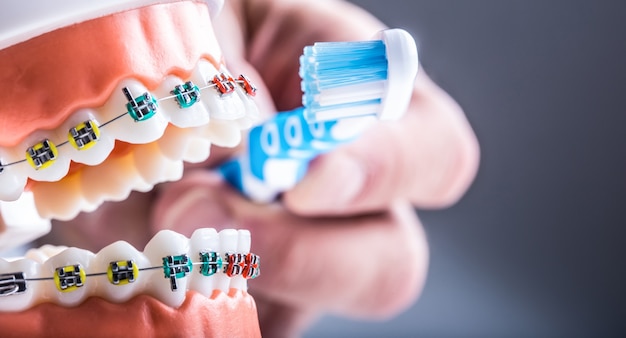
point(278, 154)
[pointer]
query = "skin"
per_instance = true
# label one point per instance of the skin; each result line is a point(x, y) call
point(359, 251)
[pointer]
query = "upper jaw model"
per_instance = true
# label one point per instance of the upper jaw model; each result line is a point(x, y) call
point(99, 100)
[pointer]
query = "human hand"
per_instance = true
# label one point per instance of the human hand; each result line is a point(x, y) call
point(315, 258)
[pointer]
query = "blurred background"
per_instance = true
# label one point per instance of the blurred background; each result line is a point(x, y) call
point(536, 247)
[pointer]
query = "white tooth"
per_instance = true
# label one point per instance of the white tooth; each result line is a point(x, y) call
point(192, 116)
point(167, 243)
point(222, 133)
point(20, 222)
point(112, 180)
point(198, 150)
point(43, 253)
point(12, 178)
point(126, 128)
point(25, 294)
point(153, 167)
point(97, 151)
point(226, 107)
point(250, 108)
point(120, 252)
point(185, 144)
point(247, 122)
point(174, 142)
point(57, 168)
point(229, 239)
point(243, 246)
point(59, 200)
point(203, 240)
point(73, 294)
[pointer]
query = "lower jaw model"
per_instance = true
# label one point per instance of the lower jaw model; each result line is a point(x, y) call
point(90, 112)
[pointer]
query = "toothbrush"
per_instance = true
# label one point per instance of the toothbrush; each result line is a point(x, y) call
point(347, 86)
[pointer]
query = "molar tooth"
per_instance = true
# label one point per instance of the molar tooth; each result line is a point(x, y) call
point(13, 177)
point(70, 286)
point(126, 128)
point(223, 107)
point(184, 117)
point(152, 166)
point(24, 294)
point(207, 241)
point(49, 160)
point(94, 152)
point(124, 280)
point(229, 239)
point(166, 245)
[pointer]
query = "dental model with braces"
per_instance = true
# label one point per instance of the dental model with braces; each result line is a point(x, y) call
point(101, 99)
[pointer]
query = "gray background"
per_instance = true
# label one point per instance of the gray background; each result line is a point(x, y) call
point(535, 249)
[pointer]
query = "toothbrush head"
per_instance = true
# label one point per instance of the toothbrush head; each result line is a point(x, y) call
point(359, 78)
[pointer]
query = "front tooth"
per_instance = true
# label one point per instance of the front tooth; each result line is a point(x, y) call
point(243, 247)
point(205, 243)
point(185, 144)
point(48, 160)
point(13, 177)
point(175, 141)
point(70, 286)
point(126, 128)
point(169, 251)
point(124, 280)
point(222, 133)
point(250, 107)
point(188, 115)
point(16, 294)
point(229, 239)
point(198, 150)
point(223, 107)
point(92, 145)
point(153, 167)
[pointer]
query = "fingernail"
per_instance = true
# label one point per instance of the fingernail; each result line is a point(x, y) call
point(330, 185)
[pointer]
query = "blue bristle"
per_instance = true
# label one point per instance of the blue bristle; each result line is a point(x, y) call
point(327, 65)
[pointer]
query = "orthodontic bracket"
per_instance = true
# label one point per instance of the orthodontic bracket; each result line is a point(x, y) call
point(12, 284)
point(42, 154)
point(175, 267)
point(142, 107)
point(186, 94)
point(84, 135)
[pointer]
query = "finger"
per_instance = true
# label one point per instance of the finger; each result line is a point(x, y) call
point(344, 265)
point(430, 156)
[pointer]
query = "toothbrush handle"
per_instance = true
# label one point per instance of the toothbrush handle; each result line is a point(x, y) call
point(278, 154)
